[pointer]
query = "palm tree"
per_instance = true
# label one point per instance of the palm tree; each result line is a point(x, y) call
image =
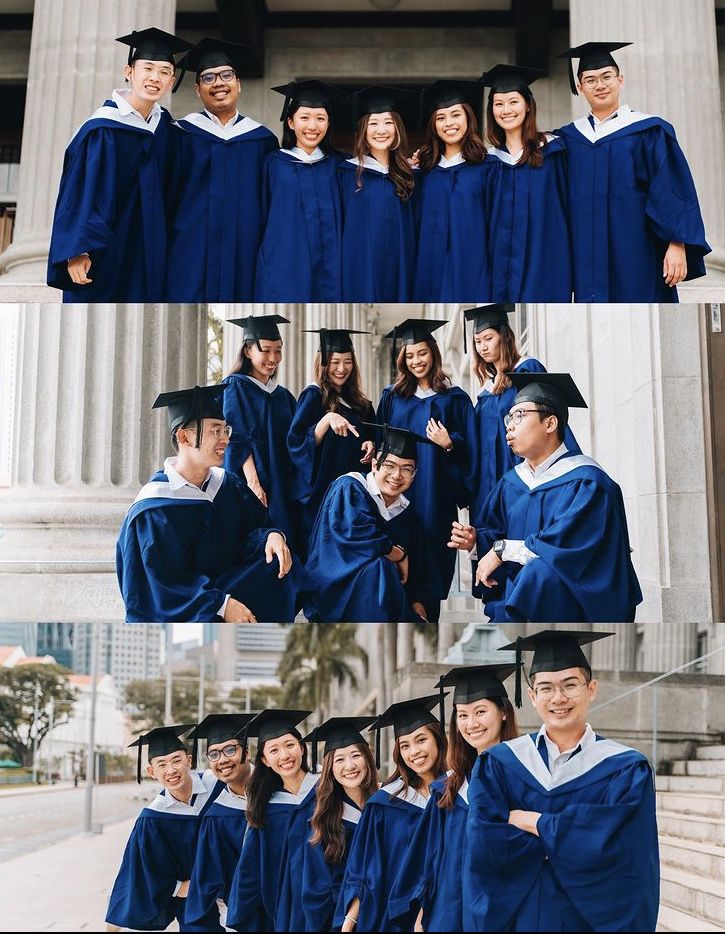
point(316, 655)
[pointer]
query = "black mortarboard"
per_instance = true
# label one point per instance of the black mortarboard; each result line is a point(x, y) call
point(400, 442)
point(413, 331)
point(260, 327)
point(271, 724)
point(161, 741)
point(447, 92)
point(474, 682)
point(591, 55)
point(334, 340)
point(310, 93)
point(192, 405)
point(556, 391)
point(217, 728)
point(554, 650)
point(378, 99)
point(213, 53)
point(488, 316)
point(503, 79)
point(153, 45)
point(406, 717)
point(337, 732)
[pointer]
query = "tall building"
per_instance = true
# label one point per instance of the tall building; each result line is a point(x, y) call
point(127, 652)
point(250, 654)
point(56, 639)
point(23, 634)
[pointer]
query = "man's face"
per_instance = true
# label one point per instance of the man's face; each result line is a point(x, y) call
point(171, 770)
point(225, 761)
point(601, 87)
point(562, 698)
point(214, 443)
point(148, 80)
point(223, 93)
point(393, 475)
point(527, 434)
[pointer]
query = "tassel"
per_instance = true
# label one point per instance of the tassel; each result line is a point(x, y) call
point(519, 666)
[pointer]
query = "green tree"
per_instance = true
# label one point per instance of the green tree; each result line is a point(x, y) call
point(315, 656)
point(147, 699)
point(215, 343)
point(20, 687)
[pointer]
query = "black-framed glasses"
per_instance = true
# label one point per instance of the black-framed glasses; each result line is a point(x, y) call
point(515, 418)
point(210, 77)
point(213, 755)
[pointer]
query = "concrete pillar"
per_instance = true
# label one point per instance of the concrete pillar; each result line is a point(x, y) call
point(73, 40)
point(85, 439)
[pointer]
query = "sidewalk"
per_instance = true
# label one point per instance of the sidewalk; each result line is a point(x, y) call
point(7, 791)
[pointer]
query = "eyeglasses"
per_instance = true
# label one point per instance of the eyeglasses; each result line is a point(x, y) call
point(177, 762)
point(213, 755)
point(209, 77)
point(570, 689)
point(217, 431)
point(609, 77)
point(388, 467)
point(515, 418)
point(161, 72)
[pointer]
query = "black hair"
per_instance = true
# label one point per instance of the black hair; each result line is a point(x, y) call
point(289, 140)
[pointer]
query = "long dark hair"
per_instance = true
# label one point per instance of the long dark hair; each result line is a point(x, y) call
point(473, 148)
point(326, 822)
point(508, 360)
point(351, 391)
point(243, 364)
point(406, 383)
point(462, 756)
point(264, 782)
point(399, 171)
point(532, 138)
point(289, 139)
point(410, 778)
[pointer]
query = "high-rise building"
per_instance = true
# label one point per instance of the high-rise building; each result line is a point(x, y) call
point(24, 634)
point(128, 652)
point(56, 639)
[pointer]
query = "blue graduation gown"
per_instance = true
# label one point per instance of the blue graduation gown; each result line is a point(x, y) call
point(322, 881)
point(378, 239)
point(218, 846)
point(260, 421)
point(111, 206)
point(452, 262)
point(299, 257)
point(384, 833)
point(350, 580)
point(180, 552)
point(159, 853)
point(594, 865)
point(315, 466)
point(430, 875)
point(289, 913)
point(572, 516)
point(631, 193)
point(216, 209)
point(254, 893)
point(444, 481)
point(530, 252)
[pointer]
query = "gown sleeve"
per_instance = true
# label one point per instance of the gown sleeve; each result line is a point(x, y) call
point(301, 442)
point(420, 864)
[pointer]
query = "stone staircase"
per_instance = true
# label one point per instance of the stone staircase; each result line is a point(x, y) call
point(691, 821)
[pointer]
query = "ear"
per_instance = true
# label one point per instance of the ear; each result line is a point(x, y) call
point(198, 92)
point(149, 771)
point(127, 73)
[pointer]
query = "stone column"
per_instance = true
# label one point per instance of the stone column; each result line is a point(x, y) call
point(85, 439)
point(74, 65)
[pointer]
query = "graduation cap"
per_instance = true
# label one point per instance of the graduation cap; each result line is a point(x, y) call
point(310, 93)
point(192, 405)
point(260, 327)
point(153, 45)
point(488, 316)
point(271, 724)
point(556, 391)
point(554, 650)
point(161, 741)
point(335, 340)
point(413, 331)
point(447, 92)
point(378, 99)
point(505, 78)
point(217, 728)
point(475, 682)
point(212, 53)
point(407, 716)
point(337, 732)
point(591, 55)
point(400, 442)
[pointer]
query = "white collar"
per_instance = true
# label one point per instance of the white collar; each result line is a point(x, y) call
point(215, 119)
point(588, 737)
point(424, 393)
point(230, 799)
point(625, 117)
point(165, 801)
point(387, 512)
point(369, 163)
point(176, 480)
point(593, 753)
point(226, 131)
point(411, 795)
point(297, 153)
point(121, 95)
point(269, 386)
point(544, 465)
point(512, 158)
point(454, 160)
point(286, 797)
point(215, 478)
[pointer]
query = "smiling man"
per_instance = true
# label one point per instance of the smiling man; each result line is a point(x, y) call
point(215, 190)
point(195, 545)
point(562, 833)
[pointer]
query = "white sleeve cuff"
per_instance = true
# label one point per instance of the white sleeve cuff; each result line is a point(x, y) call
point(176, 889)
point(221, 611)
point(515, 550)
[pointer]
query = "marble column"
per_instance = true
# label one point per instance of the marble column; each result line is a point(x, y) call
point(74, 65)
point(85, 439)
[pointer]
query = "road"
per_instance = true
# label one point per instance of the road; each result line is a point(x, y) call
point(34, 820)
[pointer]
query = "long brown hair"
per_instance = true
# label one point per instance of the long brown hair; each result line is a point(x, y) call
point(473, 148)
point(532, 138)
point(264, 782)
point(243, 364)
point(326, 822)
point(399, 171)
point(410, 778)
point(351, 391)
point(508, 361)
point(406, 384)
point(462, 756)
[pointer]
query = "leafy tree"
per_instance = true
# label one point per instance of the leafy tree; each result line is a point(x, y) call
point(147, 699)
point(215, 343)
point(19, 688)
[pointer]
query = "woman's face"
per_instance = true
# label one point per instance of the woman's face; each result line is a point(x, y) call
point(488, 345)
point(480, 723)
point(419, 750)
point(309, 124)
point(419, 359)
point(509, 110)
point(451, 124)
point(283, 755)
point(339, 368)
point(381, 132)
point(349, 767)
point(266, 361)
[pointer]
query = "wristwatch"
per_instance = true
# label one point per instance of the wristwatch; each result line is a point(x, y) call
point(498, 547)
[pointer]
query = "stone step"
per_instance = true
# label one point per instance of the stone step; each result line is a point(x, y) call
point(712, 752)
point(693, 894)
point(690, 827)
point(701, 858)
point(707, 805)
point(701, 784)
point(709, 767)
point(670, 919)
